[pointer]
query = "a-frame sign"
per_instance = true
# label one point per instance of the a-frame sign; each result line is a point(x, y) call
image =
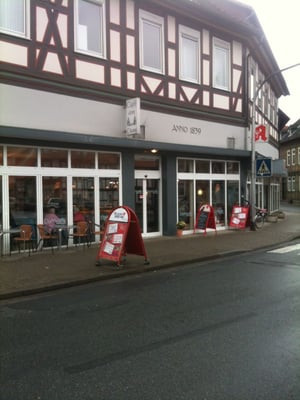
point(205, 218)
point(122, 235)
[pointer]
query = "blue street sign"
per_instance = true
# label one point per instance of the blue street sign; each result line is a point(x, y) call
point(263, 167)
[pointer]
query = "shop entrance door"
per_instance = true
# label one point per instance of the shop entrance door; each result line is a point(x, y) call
point(147, 204)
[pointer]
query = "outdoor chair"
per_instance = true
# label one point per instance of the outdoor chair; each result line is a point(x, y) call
point(47, 238)
point(80, 234)
point(25, 238)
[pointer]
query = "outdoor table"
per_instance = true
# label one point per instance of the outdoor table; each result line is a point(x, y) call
point(7, 232)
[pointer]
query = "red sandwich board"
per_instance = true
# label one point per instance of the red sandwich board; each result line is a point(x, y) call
point(205, 218)
point(240, 217)
point(122, 235)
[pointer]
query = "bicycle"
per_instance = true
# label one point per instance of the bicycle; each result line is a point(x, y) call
point(260, 214)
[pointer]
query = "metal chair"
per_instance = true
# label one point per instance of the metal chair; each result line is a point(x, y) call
point(46, 237)
point(25, 237)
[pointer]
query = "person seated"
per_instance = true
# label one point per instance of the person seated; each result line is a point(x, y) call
point(78, 216)
point(50, 220)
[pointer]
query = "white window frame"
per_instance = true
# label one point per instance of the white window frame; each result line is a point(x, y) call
point(288, 158)
point(102, 53)
point(26, 33)
point(221, 44)
point(185, 32)
point(156, 20)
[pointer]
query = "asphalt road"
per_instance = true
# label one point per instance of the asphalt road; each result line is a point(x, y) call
point(221, 330)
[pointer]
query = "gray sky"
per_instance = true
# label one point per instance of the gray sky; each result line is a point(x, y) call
point(280, 22)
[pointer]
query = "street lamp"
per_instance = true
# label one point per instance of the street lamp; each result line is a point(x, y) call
point(253, 164)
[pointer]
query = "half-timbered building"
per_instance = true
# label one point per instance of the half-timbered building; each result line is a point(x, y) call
point(143, 103)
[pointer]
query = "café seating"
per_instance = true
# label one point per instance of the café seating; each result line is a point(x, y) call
point(94, 230)
point(46, 237)
point(80, 233)
point(25, 238)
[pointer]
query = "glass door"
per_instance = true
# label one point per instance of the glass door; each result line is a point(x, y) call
point(147, 205)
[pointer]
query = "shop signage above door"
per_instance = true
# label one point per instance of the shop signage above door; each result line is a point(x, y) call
point(192, 130)
point(133, 112)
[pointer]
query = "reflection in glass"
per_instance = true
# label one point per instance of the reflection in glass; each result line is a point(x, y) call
point(53, 158)
point(139, 201)
point(202, 167)
point(83, 198)
point(82, 159)
point(146, 163)
point(109, 197)
point(152, 205)
point(202, 194)
point(186, 202)
point(22, 202)
point(21, 156)
point(233, 167)
point(218, 167)
point(185, 165)
point(218, 201)
point(108, 161)
point(55, 195)
point(232, 196)
point(1, 155)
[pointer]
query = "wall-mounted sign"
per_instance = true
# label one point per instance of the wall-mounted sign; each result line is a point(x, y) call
point(133, 120)
point(261, 134)
point(192, 130)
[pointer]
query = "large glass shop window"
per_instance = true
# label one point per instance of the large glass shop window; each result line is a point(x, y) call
point(109, 197)
point(186, 202)
point(55, 196)
point(218, 201)
point(22, 201)
point(83, 199)
point(202, 194)
point(232, 196)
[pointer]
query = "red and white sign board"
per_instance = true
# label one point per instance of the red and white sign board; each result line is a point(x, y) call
point(261, 134)
point(122, 235)
point(240, 217)
point(205, 218)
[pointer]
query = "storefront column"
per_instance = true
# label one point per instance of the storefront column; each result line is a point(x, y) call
point(128, 180)
point(169, 200)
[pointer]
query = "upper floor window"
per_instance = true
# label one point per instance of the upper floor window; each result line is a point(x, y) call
point(288, 158)
point(151, 42)
point(293, 156)
point(189, 42)
point(221, 64)
point(14, 17)
point(90, 27)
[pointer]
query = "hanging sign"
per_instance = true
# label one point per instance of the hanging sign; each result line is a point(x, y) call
point(240, 217)
point(122, 235)
point(205, 218)
point(133, 111)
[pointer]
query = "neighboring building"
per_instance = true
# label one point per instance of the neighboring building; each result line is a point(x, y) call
point(290, 153)
point(68, 69)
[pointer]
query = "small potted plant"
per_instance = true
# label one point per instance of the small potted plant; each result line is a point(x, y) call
point(180, 227)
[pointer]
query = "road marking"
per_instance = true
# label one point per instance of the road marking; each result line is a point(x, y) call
point(287, 249)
